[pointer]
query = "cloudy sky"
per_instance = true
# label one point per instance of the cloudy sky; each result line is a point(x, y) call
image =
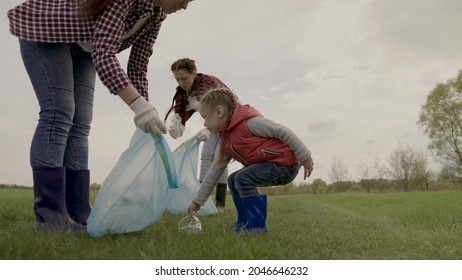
point(349, 77)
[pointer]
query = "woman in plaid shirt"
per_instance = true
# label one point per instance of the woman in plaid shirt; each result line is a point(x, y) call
point(63, 44)
point(191, 87)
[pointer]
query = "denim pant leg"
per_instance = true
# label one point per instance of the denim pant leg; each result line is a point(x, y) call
point(51, 71)
point(76, 154)
point(246, 180)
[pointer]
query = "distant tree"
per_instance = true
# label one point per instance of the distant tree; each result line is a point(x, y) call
point(380, 171)
point(408, 167)
point(365, 172)
point(338, 174)
point(373, 175)
point(318, 186)
point(441, 119)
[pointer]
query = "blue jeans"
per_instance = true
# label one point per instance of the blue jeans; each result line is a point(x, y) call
point(244, 182)
point(63, 77)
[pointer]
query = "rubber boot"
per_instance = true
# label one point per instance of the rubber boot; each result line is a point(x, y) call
point(241, 217)
point(220, 196)
point(255, 210)
point(78, 195)
point(49, 200)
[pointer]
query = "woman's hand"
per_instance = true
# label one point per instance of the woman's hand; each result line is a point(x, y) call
point(203, 135)
point(176, 128)
point(146, 117)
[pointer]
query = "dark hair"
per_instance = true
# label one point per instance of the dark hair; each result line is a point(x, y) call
point(184, 64)
point(94, 8)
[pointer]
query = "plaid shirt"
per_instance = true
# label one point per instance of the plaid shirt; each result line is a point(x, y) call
point(202, 83)
point(58, 21)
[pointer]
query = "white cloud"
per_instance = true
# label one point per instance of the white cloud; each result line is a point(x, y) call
point(426, 27)
point(348, 77)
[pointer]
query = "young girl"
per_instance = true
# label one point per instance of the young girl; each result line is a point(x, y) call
point(191, 87)
point(271, 154)
point(64, 44)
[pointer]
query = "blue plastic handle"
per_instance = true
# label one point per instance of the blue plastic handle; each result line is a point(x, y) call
point(167, 159)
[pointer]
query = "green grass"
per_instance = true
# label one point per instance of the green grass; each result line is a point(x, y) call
point(424, 225)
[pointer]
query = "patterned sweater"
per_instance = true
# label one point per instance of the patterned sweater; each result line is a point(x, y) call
point(202, 83)
point(60, 21)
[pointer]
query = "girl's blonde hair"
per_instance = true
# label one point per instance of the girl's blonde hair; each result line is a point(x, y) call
point(220, 97)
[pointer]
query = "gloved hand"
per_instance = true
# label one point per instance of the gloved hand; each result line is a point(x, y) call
point(146, 117)
point(203, 135)
point(176, 128)
point(193, 103)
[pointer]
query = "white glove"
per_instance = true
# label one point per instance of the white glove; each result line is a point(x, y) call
point(193, 103)
point(203, 135)
point(176, 128)
point(146, 117)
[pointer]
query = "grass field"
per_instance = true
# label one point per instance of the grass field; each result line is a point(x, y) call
point(396, 226)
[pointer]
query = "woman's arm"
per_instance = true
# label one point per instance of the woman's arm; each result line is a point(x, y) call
point(128, 94)
point(140, 53)
point(108, 30)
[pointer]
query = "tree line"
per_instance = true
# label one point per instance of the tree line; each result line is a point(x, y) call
point(407, 168)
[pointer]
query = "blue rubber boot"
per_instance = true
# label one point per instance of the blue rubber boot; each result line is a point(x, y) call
point(241, 216)
point(49, 201)
point(78, 195)
point(255, 210)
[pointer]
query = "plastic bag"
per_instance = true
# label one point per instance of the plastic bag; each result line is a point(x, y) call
point(185, 157)
point(143, 183)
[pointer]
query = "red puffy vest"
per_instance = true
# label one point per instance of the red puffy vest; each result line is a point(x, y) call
point(242, 145)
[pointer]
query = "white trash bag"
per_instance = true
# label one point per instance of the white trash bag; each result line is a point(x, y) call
point(135, 193)
point(186, 157)
point(143, 183)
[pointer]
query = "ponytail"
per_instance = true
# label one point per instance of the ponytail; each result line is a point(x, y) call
point(172, 107)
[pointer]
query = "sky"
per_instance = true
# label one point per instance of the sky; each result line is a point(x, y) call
point(348, 77)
